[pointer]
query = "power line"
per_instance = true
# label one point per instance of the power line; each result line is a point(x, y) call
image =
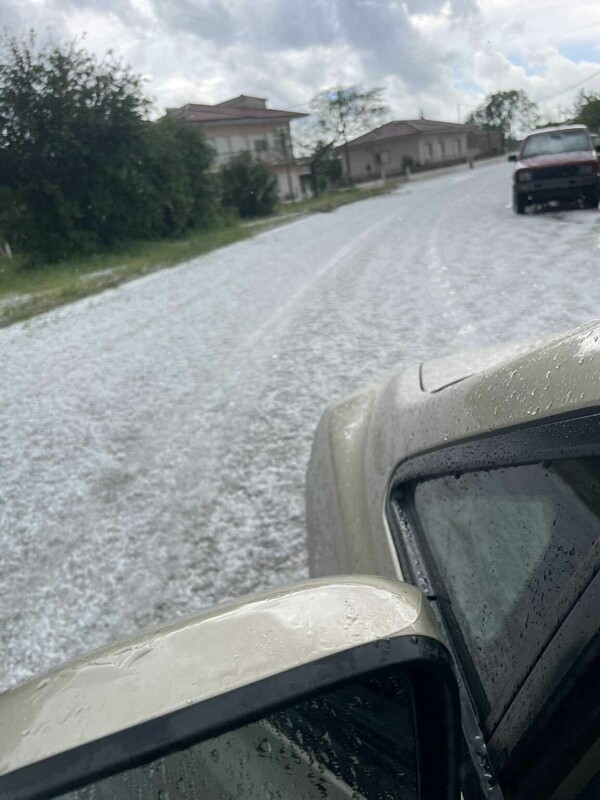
point(301, 105)
point(466, 105)
point(570, 88)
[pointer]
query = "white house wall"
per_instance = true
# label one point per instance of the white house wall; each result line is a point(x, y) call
point(284, 177)
point(421, 148)
point(229, 140)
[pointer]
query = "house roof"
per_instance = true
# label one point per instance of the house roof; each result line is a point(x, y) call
point(245, 101)
point(239, 108)
point(407, 127)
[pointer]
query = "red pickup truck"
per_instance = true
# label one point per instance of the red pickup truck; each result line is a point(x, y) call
point(556, 164)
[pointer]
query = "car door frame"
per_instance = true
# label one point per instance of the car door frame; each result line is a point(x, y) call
point(565, 436)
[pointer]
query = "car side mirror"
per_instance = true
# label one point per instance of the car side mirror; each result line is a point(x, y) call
point(512, 157)
point(337, 688)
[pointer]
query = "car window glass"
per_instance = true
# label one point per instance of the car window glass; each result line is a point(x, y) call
point(543, 144)
point(591, 791)
point(510, 546)
point(354, 742)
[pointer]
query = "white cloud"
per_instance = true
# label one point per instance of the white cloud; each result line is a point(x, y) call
point(428, 54)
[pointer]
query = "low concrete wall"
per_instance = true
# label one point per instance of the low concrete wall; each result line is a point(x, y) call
point(424, 174)
point(433, 173)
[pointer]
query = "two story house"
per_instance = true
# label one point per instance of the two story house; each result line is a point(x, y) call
point(245, 124)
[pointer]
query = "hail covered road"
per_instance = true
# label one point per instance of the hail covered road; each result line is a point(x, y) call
point(154, 438)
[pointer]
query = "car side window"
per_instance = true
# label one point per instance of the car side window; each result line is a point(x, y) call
point(512, 549)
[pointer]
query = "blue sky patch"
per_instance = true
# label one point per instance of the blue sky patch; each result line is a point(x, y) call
point(580, 51)
point(530, 70)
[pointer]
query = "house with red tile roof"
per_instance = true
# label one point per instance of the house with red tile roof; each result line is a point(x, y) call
point(416, 142)
point(245, 124)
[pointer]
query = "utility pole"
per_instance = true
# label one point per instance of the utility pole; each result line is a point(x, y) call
point(284, 150)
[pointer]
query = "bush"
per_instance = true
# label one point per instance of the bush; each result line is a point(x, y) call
point(248, 186)
point(81, 167)
point(178, 193)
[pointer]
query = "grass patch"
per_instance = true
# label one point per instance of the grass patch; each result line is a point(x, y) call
point(332, 200)
point(26, 291)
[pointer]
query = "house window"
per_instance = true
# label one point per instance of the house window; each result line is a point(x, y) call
point(260, 146)
point(428, 150)
point(238, 143)
point(382, 158)
point(281, 141)
point(443, 148)
point(223, 146)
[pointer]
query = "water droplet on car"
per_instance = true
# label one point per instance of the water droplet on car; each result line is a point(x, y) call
point(264, 748)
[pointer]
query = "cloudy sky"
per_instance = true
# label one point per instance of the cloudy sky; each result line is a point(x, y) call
point(436, 56)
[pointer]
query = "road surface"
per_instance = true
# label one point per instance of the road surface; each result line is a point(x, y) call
point(154, 438)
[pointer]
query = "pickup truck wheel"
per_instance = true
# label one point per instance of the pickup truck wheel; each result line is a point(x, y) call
point(591, 199)
point(519, 202)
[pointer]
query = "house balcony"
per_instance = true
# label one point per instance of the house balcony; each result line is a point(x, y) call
point(273, 157)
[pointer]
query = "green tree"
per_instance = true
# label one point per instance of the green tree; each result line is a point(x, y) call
point(509, 112)
point(81, 164)
point(248, 186)
point(70, 136)
point(343, 112)
point(587, 110)
point(179, 192)
point(325, 166)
